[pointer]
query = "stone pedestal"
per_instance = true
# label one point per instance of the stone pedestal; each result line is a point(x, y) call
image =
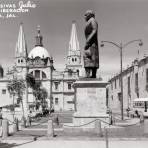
point(5, 128)
point(50, 131)
point(90, 98)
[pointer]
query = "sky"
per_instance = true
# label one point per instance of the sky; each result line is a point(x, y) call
point(119, 21)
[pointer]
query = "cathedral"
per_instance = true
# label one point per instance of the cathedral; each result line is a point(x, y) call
point(40, 65)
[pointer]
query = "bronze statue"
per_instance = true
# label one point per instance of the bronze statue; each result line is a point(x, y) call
point(91, 50)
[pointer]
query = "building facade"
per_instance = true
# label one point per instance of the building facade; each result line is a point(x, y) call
point(135, 85)
point(39, 63)
point(63, 92)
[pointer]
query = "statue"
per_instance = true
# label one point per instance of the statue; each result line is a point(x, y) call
point(91, 51)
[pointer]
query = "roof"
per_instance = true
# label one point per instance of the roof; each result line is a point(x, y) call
point(137, 62)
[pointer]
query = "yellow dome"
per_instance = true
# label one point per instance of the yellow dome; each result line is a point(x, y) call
point(38, 51)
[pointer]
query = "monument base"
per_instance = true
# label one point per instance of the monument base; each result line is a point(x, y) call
point(92, 124)
point(90, 106)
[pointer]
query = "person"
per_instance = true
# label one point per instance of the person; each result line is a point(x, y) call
point(110, 118)
point(141, 118)
point(30, 117)
point(128, 110)
point(57, 120)
point(91, 50)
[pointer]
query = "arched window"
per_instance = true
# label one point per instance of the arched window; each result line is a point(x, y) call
point(69, 86)
point(21, 60)
point(78, 72)
point(72, 59)
point(18, 60)
point(75, 59)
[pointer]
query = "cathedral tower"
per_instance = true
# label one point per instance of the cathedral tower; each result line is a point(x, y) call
point(74, 54)
point(21, 49)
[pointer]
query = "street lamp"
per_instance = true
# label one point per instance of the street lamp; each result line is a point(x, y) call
point(121, 47)
point(51, 77)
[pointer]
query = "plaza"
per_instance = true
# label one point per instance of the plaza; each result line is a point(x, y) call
point(62, 83)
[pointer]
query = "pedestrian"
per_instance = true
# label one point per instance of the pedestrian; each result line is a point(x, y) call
point(141, 118)
point(127, 110)
point(110, 117)
point(57, 120)
point(30, 117)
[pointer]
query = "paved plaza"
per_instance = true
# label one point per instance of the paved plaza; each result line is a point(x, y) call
point(129, 132)
point(129, 128)
point(74, 143)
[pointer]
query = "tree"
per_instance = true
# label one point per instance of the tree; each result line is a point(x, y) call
point(44, 95)
point(17, 87)
point(39, 92)
point(31, 82)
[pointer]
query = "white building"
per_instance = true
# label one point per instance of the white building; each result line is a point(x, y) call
point(39, 63)
point(135, 85)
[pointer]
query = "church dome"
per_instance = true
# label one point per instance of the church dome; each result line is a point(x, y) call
point(38, 51)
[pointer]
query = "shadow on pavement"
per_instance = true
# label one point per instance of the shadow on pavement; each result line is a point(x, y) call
point(8, 145)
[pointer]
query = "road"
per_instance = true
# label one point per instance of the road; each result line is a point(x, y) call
point(74, 144)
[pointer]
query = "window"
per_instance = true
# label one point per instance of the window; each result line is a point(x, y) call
point(56, 85)
point(18, 60)
point(107, 95)
point(70, 72)
point(70, 102)
point(129, 87)
point(72, 59)
point(43, 75)
point(56, 101)
point(136, 85)
point(21, 60)
point(147, 76)
point(111, 85)
point(112, 98)
point(69, 86)
point(37, 74)
point(119, 81)
point(75, 59)
point(3, 91)
point(78, 72)
point(115, 83)
point(119, 96)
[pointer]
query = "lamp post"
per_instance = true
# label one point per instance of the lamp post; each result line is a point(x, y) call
point(51, 77)
point(121, 47)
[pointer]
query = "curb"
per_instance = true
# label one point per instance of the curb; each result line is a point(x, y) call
point(79, 138)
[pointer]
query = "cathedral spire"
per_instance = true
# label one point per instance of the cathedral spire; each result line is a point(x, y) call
point(39, 38)
point(21, 46)
point(74, 54)
point(73, 43)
